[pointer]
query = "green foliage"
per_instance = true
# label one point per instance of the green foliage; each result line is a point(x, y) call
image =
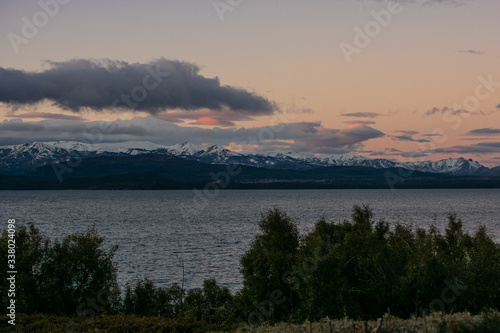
point(146, 299)
point(61, 277)
point(31, 251)
point(266, 265)
point(360, 269)
point(212, 304)
point(486, 322)
point(363, 269)
point(117, 323)
point(352, 277)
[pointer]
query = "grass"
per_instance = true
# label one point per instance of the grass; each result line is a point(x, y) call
point(487, 322)
point(433, 323)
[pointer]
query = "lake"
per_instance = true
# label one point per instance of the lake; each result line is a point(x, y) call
point(158, 232)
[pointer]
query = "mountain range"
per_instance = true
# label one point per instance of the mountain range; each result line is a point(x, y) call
point(187, 163)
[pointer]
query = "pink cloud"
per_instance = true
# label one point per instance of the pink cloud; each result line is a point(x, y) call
point(205, 117)
point(46, 115)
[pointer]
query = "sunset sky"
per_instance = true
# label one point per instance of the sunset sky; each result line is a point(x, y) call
point(404, 80)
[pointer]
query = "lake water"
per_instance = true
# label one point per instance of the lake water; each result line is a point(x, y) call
point(159, 231)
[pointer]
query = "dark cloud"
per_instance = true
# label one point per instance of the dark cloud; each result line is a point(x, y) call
point(489, 144)
point(362, 114)
point(408, 138)
point(451, 111)
point(377, 153)
point(18, 126)
point(151, 87)
point(485, 131)
point(45, 115)
point(327, 141)
point(413, 154)
point(478, 148)
point(309, 137)
point(408, 132)
point(306, 126)
point(474, 52)
point(386, 152)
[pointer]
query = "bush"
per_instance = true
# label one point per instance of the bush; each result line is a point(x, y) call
point(212, 304)
point(61, 277)
point(363, 269)
point(146, 299)
point(266, 293)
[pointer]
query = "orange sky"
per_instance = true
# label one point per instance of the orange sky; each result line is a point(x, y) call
point(426, 55)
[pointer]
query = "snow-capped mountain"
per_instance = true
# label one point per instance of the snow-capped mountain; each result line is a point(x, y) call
point(20, 159)
point(450, 165)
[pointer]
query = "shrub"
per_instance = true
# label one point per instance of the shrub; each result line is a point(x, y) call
point(266, 292)
point(61, 277)
point(363, 269)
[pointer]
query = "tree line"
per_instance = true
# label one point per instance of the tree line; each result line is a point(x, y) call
point(359, 268)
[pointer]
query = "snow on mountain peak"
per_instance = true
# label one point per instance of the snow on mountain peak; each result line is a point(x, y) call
point(186, 148)
point(34, 154)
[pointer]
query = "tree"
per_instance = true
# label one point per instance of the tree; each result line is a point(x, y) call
point(31, 252)
point(147, 300)
point(350, 276)
point(75, 275)
point(213, 303)
point(267, 293)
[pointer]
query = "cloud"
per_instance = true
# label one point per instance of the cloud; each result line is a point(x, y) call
point(408, 132)
point(386, 152)
point(362, 114)
point(19, 127)
point(478, 148)
point(363, 122)
point(451, 111)
point(107, 84)
point(413, 154)
point(407, 136)
point(213, 122)
point(327, 141)
point(45, 115)
point(429, 2)
point(474, 52)
point(205, 117)
point(485, 131)
point(310, 137)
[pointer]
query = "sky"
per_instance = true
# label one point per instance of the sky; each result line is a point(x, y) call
point(406, 80)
